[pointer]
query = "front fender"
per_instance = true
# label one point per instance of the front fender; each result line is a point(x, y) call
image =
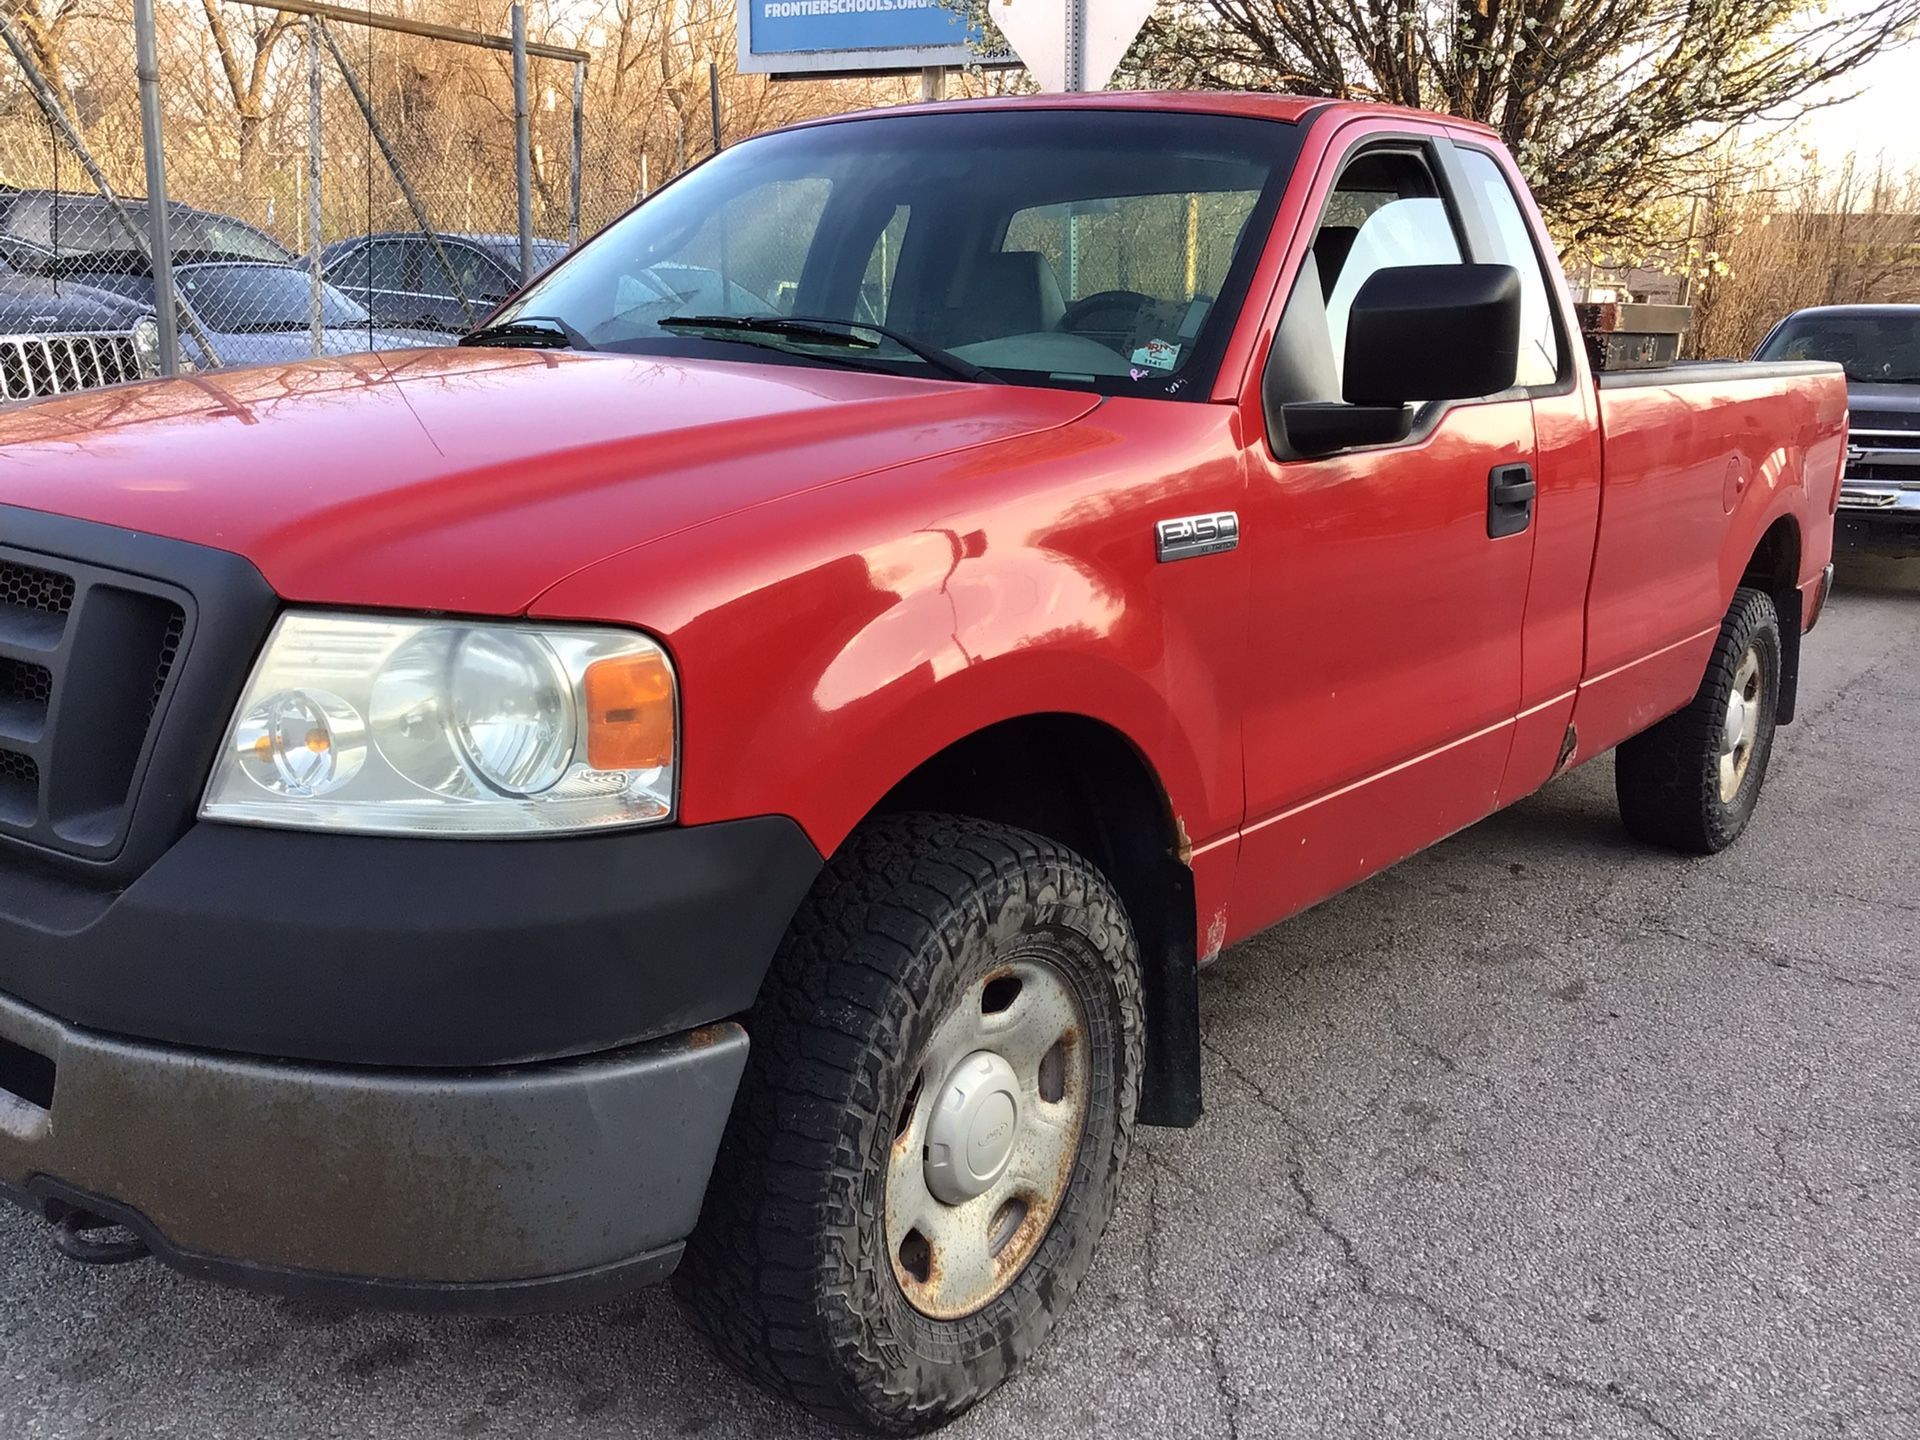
point(829, 644)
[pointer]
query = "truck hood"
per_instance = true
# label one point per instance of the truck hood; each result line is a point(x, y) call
point(472, 480)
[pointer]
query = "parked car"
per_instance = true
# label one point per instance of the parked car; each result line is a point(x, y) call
point(749, 790)
point(58, 337)
point(245, 299)
point(397, 275)
point(1879, 347)
point(67, 224)
point(254, 313)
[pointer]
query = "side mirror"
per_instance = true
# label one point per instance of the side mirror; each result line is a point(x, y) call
point(1415, 333)
point(1433, 332)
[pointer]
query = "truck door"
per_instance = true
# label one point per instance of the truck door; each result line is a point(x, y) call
point(1566, 428)
point(1389, 583)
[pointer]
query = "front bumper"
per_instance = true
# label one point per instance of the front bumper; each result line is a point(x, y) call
point(465, 1074)
point(1880, 503)
point(515, 1190)
point(383, 951)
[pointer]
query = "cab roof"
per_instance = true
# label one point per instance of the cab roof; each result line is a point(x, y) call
point(1289, 109)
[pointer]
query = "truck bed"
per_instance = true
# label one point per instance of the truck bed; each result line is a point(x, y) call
point(1724, 458)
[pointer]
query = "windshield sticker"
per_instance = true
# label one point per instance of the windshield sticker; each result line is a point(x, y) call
point(1158, 355)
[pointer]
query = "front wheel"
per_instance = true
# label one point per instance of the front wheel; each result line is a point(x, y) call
point(1692, 781)
point(930, 1134)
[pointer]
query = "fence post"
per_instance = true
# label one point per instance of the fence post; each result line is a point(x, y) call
point(522, 140)
point(160, 246)
point(316, 319)
point(579, 149)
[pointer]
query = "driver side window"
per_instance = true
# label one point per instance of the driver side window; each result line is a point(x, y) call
point(1385, 211)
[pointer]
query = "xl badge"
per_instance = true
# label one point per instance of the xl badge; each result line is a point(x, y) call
point(1192, 535)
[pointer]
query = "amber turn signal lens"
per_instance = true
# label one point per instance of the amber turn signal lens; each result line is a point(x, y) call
point(630, 713)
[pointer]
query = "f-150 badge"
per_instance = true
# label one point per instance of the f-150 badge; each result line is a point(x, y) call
point(1195, 535)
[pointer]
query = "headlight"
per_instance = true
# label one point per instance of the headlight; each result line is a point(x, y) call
point(146, 344)
point(449, 728)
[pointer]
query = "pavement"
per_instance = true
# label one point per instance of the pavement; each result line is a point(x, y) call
point(1537, 1134)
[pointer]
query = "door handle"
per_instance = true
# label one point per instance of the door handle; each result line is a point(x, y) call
point(1510, 493)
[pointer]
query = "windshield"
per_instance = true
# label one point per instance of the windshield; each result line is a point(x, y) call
point(1104, 250)
point(1875, 349)
point(237, 298)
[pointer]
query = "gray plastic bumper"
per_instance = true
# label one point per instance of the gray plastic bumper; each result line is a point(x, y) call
point(490, 1190)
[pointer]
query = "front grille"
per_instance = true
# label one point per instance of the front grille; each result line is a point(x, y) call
point(25, 588)
point(1884, 439)
point(36, 365)
point(1884, 454)
point(1888, 420)
point(86, 655)
point(19, 788)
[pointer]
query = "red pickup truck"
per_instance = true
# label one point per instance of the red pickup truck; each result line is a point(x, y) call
point(735, 766)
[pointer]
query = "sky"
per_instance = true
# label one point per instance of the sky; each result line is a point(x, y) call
point(1880, 118)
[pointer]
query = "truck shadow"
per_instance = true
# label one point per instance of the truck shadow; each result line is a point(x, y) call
point(1878, 570)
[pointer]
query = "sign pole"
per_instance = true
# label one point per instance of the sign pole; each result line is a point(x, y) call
point(522, 142)
point(1076, 51)
point(933, 83)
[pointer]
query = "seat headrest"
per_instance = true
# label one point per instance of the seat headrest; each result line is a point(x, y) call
point(1013, 292)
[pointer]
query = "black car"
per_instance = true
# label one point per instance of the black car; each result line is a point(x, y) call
point(250, 312)
point(399, 278)
point(1879, 345)
point(56, 337)
point(60, 227)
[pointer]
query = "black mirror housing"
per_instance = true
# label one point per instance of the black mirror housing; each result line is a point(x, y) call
point(1433, 332)
point(1325, 427)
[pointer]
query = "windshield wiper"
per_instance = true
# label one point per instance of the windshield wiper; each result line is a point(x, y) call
point(528, 332)
point(828, 330)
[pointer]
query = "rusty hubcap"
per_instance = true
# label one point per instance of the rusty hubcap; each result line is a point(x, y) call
point(1741, 728)
point(985, 1146)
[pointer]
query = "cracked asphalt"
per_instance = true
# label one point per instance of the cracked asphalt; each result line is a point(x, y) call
point(1538, 1134)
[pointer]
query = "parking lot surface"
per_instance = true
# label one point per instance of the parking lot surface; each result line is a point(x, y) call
point(1538, 1134)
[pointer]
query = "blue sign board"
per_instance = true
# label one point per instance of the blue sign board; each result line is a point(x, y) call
point(794, 37)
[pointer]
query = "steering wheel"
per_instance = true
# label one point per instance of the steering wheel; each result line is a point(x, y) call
point(1125, 307)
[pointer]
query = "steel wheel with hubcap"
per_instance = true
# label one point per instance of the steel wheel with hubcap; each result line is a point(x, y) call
point(1742, 726)
point(1691, 782)
point(930, 1135)
point(987, 1140)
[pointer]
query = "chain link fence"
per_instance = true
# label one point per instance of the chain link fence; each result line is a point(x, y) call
point(335, 181)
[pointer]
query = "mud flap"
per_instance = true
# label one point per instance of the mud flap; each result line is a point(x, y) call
point(1170, 1089)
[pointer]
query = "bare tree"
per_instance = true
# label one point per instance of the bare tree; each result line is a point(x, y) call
point(41, 26)
point(1607, 103)
point(1849, 235)
point(246, 71)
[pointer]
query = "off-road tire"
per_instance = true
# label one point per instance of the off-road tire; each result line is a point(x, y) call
point(788, 1272)
point(1668, 778)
